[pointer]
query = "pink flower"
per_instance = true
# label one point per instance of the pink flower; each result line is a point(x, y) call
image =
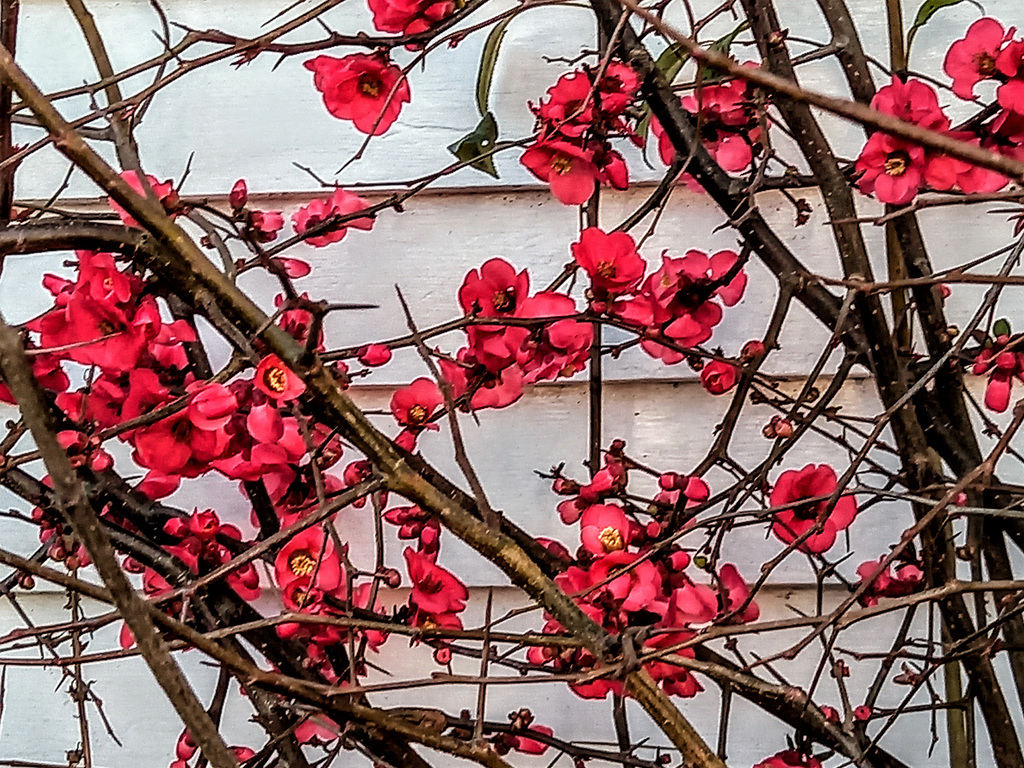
point(973, 58)
point(264, 226)
point(364, 88)
point(276, 380)
point(604, 528)
point(413, 406)
point(718, 377)
point(795, 485)
point(569, 170)
point(435, 590)
point(891, 168)
point(611, 260)
point(340, 203)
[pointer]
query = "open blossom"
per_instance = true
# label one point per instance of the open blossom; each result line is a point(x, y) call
point(682, 297)
point(604, 528)
point(364, 88)
point(1010, 64)
point(276, 380)
point(413, 406)
point(891, 168)
point(568, 169)
point(340, 203)
point(309, 556)
point(435, 591)
point(495, 290)
point(791, 489)
point(973, 58)
point(558, 349)
point(610, 259)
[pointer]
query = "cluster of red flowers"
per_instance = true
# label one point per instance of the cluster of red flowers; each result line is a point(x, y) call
point(572, 152)
point(903, 577)
point(895, 170)
point(730, 126)
point(678, 302)
point(619, 579)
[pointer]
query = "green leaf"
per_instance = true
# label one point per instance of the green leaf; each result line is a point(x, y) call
point(474, 145)
point(1001, 327)
point(672, 60)
point(928, 9)
point(487, 60)
point(723, 45)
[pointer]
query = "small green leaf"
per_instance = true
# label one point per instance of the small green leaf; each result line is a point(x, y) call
point(474, 145)
point(1001, 327)
point(700, 561)
point(487, 60)
point(928, 9)
point(723, 45)
point(671, 61)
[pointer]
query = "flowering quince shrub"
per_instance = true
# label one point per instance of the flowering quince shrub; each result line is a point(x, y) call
point(663, 583)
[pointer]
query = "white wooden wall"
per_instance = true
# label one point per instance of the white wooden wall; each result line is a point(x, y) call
point(257, 123)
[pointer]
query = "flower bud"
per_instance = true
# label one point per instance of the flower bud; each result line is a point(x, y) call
point(239, 195)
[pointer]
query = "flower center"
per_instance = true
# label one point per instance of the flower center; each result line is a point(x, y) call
point(370, 85)
point(896, 163)
point(417, 414)
point(985, 63)
point(504, 301)
point(606, 269)
point(301, 563)
point(276, 379)
point(561, 164)
point(611, 539)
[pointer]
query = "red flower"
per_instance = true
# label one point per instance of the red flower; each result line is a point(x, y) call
point(276, 380)
point(374, 354)
point(435, 590)
point(413, 406)
point(309, 556)
point(340, 203)
point(531, 746)
point(569, 170)
point(973, 58)
point(1011, 64)
point(409, 17)
point(364, 88)
point(604, 528)
point(558, 349)
point(612, 261)
point(496, 290)
point(796, 485)
point(892, 169)
point(735, 592)
point(564, 108)
point(718, 377)
point(789, 759)
point(164, 191)
point(912, 101)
